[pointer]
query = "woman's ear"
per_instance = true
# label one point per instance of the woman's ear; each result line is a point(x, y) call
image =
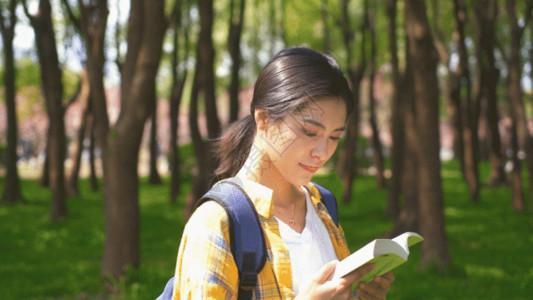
point(261, 118)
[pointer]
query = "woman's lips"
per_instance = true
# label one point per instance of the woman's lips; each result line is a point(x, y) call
point(309, 168)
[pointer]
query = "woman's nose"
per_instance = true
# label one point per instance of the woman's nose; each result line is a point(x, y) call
point(320, 150)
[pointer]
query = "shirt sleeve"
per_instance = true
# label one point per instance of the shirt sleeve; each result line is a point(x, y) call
point(205, 268)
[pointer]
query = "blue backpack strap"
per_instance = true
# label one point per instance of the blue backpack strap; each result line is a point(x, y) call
point(167, 292)
point(246, 234)
point(329, 201)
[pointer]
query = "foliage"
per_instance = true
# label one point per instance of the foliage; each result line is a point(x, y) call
point(489, 243)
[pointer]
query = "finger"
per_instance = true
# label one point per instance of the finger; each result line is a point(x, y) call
point(326, 272)
point(364, 294)
point(358, 273)
point(377, 288)
point(389, 276)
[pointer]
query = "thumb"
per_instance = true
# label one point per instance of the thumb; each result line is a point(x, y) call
point(326, 272)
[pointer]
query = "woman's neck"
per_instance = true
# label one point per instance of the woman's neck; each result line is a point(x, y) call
point(289, 204)
point(262, 171)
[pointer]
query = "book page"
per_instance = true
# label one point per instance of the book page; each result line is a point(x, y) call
point(386, 254)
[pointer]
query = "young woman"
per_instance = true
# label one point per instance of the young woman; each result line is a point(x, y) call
point(297, 115)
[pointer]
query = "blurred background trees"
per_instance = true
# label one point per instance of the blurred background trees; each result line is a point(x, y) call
point(432, 80)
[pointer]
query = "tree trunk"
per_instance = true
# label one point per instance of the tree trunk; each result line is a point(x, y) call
point(376, 143)
point(515, 177)
point(12, 193)
point(121, 209)
point(470, 110)
point(203, 85)
point(73, 176)
point(234, 48)
point(324, 13)
point(408, 217)
point(178, 82)
point(514, 93)
point(424, 61)
point(485, 13)
point(53, 94)
point(347, 157)
point(452, 88)
point(154, 177)
point(203, 171)
point(45, 175)
point(206, 76)
point(397, 122)
point(92, 157)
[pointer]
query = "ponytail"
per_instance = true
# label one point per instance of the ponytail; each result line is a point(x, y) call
point(233, 147)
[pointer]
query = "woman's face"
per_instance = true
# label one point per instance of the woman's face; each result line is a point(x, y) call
point(302, 142)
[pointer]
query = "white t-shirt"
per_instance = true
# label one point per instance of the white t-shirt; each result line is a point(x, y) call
point(310, 250)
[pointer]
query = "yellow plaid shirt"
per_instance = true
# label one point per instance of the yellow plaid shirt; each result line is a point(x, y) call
point(205, 267)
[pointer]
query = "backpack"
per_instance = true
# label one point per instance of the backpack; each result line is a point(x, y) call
point(246, 234)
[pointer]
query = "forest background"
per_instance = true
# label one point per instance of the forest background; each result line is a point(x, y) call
point(114, 91)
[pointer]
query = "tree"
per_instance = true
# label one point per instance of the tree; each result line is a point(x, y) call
point(146, 28)
point(52, 87)
point(178, 25)
point(470, 110)
point(376, 143)
point(487, 80)
point(452, 86)
point(347, 163)
point(203, 85)
point(84, 131)
point(404, 159)
point(424, 62)
point(522, 137)
point(234, 48)
point(397, 124)
point(12, 193)
point(154, 177)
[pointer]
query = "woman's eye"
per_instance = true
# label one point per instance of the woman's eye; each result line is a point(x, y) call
point(308, 133)
point(335, 138)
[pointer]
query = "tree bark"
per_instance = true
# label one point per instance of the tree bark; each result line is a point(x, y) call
point(347, 157)
point(73, 176)
point(176, 96)
point(514, 93)
point(376, 143)
point(234, 48)
point(408, 217)
point(397, 122)
point(203, 85)
point(470, 110)
point(154, 177)
point(206, 76)
point(178, 82)
point(52, 87)
point(92, 157)
point(424, 61)
point(121, 208)
point(12, 193)
point(452, 88)
point(485, 17)
point(44, 181)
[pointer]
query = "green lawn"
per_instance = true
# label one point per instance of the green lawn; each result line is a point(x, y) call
point(491, 245)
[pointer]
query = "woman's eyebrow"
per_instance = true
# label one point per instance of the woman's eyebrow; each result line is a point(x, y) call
point(316, 123)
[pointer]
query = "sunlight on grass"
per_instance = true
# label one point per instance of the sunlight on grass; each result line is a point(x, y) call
point(485, 271)
point(489, 243)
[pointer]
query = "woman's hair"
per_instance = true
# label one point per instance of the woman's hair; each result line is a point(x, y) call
point(288, 83)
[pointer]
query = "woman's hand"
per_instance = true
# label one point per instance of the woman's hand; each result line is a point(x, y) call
point(321, 287)
point(376, 289)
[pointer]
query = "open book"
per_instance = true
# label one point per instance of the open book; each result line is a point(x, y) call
point(386, 254)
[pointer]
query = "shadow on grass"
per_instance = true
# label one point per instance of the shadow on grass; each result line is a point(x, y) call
point(489, 243)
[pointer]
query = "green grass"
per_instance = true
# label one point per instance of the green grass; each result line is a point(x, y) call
point(490, 244)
